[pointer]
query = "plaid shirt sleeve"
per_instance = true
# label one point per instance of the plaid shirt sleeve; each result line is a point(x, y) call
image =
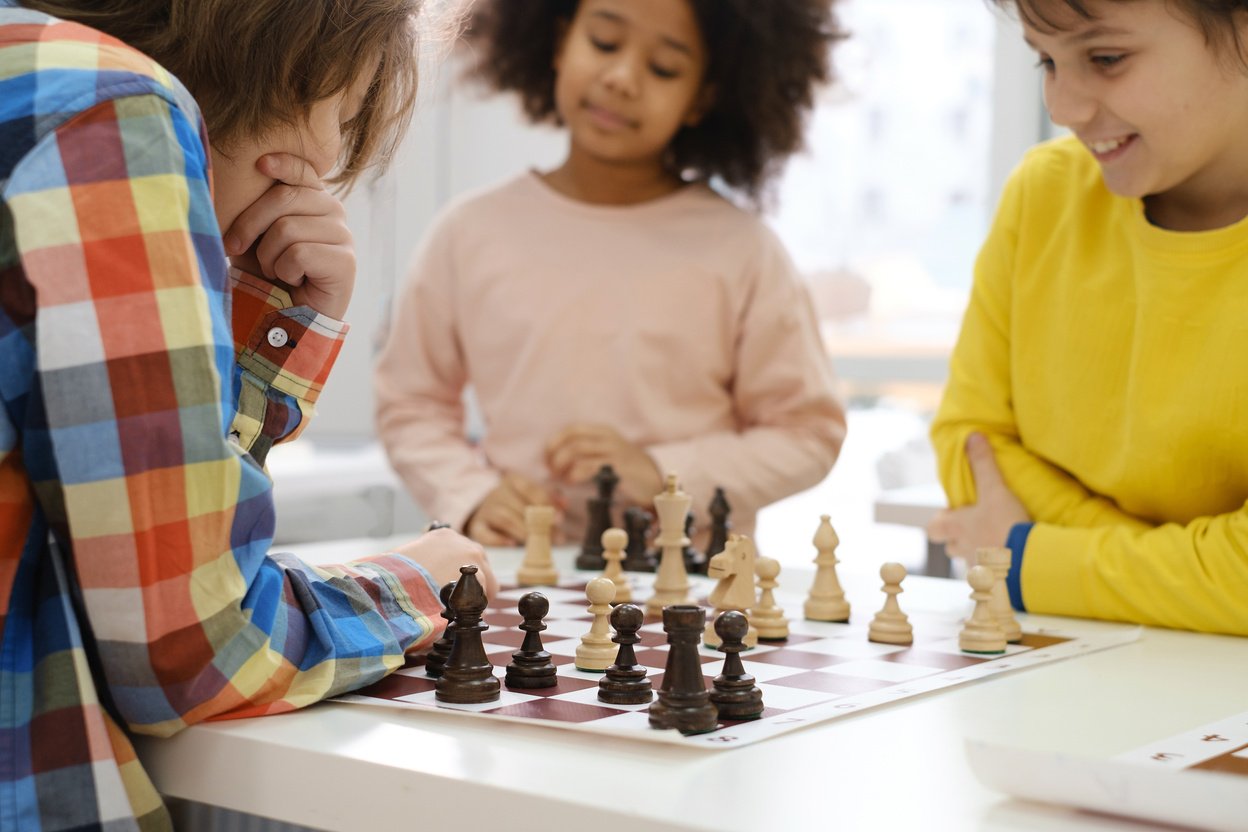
point(283, 356)
point(168, 521)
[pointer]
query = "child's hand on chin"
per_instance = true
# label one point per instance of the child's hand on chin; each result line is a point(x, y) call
point(296, 233)
point(576, 453)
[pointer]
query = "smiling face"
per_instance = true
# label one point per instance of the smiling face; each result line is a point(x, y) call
point(1163, 110)
point(318, 140)
point(629, 76)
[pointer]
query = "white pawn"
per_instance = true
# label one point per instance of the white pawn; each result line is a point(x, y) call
point(891, 625)
point(997, 559)
point(826, 601)
point(596, 652)
point(613, 543)
point(767, 616)
point(981, 634)
point(538, 568)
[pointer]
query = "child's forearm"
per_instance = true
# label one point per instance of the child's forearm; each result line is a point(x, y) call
point(1192, 576)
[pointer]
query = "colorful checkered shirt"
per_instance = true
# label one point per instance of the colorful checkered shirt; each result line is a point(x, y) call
point(135, 516)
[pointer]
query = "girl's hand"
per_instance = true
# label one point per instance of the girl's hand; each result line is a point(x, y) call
point(297, 233)
point(576, 453)
point(499, 520)
point(987, 522)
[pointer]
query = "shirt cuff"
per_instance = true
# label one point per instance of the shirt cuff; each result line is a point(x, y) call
point(290, 348)
point(1017, 542)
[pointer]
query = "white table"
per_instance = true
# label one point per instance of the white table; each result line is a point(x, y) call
point(345, 767)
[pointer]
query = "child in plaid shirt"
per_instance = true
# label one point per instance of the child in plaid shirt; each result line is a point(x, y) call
point(143, 378)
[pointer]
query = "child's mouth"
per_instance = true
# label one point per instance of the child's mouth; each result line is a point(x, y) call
point(1107, 150)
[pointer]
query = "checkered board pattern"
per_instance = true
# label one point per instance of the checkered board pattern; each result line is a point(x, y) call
point(1221, 746)
point(823, 671)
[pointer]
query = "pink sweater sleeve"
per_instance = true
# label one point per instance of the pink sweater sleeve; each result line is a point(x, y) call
point(792, 425)
point(419, 381)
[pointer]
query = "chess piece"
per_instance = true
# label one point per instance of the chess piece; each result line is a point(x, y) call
point(468, 677)
point(636, 524)
point(531, 666)
point(826, 601)
point(598, 519)
point(626, 682)
point(695, 561)
point(981, 633)
point(538, 568)
point(735, 695)
point(595, 653)
point(436, 659)
point(734, 567)
point(767, 616)
point(891, 625)
point(997, 558)
point(434, 525)
point(720, 524)
point(671, 584)
point(684, 703)
point(613, 543)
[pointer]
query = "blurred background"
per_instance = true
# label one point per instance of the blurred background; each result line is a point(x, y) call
point(936, 100)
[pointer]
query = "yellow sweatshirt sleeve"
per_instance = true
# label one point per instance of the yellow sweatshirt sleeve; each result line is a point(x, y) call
point(978, 396)
point(1192, 577)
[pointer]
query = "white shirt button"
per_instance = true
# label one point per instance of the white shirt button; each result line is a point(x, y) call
point(278, 336)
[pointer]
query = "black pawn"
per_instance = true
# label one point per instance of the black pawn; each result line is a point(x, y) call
point(468, 677)
point(442, 647)
point(684, 703)
point(695, 561)
point(735, 694)
point(636, 524)
point(625, 682)
point(598, 519)
point(720, 524)
point(531, 666)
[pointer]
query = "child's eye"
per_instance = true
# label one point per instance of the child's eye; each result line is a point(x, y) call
point(604, 45)
point(663, 72)
point(1045, 63)
point(1106, 61)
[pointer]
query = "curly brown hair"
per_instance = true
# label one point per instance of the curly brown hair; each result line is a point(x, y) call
point(253, 65)
point(766, 60)
point(1219, 20)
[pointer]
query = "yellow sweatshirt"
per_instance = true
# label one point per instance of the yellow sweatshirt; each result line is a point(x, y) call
point(1106, 360)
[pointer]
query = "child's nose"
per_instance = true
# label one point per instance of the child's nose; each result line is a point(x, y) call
point(623, 76)
point(1068, 101)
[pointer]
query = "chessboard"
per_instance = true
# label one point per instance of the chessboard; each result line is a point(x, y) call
point(821, 672)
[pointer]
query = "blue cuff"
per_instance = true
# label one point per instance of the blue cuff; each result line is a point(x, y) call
point(1017, 541)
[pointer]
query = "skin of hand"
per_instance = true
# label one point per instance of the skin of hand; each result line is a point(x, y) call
point(443, 551)
point(499, 519)
point(296, 233)
point(576, 453)
point(987, 522)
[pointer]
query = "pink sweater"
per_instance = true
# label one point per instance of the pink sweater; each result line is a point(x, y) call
point(679, 321)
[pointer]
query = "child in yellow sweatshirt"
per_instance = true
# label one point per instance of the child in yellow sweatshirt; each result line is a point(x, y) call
point(1096, 416)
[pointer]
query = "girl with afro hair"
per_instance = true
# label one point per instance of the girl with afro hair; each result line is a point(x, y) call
point(618, 309)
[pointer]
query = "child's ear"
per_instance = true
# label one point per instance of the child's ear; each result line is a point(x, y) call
point(701, 105)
